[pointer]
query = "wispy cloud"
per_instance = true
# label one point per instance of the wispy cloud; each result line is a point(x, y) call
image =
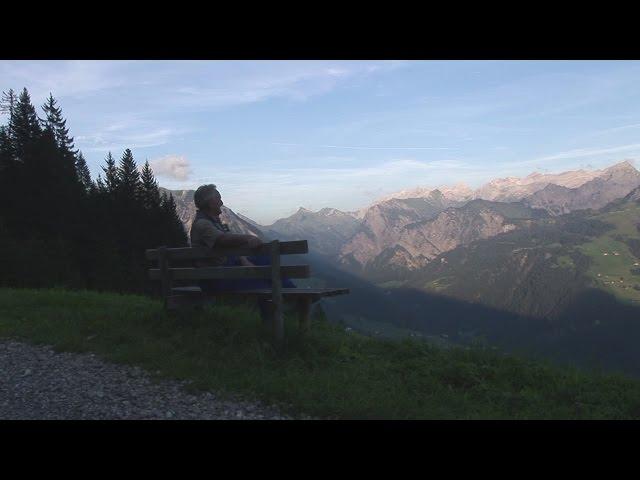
point(583, 152)
point(303, 175)
point(110, 140)
point(73, 78)
point(250, 83)
point(616, 129)
point(350, 147)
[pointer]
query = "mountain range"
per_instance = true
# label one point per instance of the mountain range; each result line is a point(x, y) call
point(548, 263)
point(405, 231)
point(396, 236)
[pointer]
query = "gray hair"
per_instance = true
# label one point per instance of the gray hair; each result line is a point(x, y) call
point(203, 194)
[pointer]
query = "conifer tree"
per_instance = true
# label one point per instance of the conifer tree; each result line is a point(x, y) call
point(83, 173)
point(24, 126)
point(56, 234)
point(174, 233)
point(7, 107)
point(100, 186)
point(5, 159)
point(129, 178)
point(8, 102)
point(58, 124)
point(150, 194)
point(111, 180)
point(5, 147)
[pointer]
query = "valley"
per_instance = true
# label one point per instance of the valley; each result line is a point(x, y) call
point(524, 268)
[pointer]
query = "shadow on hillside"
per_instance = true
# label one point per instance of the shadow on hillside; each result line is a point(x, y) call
point(595, 330)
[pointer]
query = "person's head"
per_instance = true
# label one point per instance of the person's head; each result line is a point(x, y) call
point(208, 199)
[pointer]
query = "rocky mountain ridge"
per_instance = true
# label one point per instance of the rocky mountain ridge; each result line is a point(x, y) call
point(386, 240)
point(326, 230)
point(406, 232)
point(613, 183)
point(511, 189)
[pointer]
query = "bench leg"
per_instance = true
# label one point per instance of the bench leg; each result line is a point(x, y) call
point(266, 312)
point(304, 314)
point(278, 325)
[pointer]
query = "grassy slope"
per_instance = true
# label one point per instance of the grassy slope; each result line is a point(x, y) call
point(329, 373)
point(614, 268)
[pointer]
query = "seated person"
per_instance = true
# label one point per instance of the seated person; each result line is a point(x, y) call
point(208, 231)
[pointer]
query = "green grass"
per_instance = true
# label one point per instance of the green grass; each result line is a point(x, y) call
point(606, 271)
point(439, 283)
point(329, 373)
point(392, 284)
point(565, 261)
point(373, 328)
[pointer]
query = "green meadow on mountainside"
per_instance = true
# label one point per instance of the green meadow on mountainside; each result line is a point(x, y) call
point(330, 373)
point(586, 249)
point(615, 265)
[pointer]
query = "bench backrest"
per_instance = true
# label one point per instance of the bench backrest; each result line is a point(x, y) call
point(197, 253)
point(275, 271)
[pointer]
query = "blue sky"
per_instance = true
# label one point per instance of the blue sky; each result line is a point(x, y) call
point(277, 135)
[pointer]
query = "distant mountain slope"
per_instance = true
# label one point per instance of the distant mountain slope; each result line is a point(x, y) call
point(634, 195)
point(508, 189)
point(613, 183)
point(538, 269)
point(458, 193)
point(590, 327)
point(393, 240)
point(512, 189)
point(398, 235)
point(383, 223)
point(326, 230)
point(417, 243)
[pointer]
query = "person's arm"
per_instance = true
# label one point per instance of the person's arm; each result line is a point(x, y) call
point(245, 262)
point(237, 240)
point(212, 237)
point(233, 240)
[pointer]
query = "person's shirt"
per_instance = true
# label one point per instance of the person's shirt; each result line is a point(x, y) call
point(205, 230)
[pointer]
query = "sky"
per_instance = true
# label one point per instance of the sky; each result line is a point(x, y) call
point(278, 135)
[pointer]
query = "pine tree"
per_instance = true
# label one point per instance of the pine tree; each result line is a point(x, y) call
point(5, 159)
point(82, 170)
point(100, 186)
point(129, 178)
point(175, 234)
point(58, 235)
point(58, 124)
point(7, 107)
point(24, 126)
point(5, 148)
point(149, 194)
point(111, 180)
point(8, 102)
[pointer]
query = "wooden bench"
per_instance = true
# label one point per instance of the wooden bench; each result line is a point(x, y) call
point(176, 297)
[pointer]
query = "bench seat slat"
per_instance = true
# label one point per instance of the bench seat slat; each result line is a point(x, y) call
point(192, 296)
point(290, 271)
point(195, 253)
point(292, 292)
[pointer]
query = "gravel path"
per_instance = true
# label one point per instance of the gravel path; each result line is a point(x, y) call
point(38, 383)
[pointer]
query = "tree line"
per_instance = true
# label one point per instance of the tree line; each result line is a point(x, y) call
point(58, 226)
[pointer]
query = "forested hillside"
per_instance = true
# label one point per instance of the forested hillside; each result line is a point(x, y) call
point(60, 227)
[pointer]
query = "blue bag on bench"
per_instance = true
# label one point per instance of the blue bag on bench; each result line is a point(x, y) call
point(230, 284)
point(212, 286)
